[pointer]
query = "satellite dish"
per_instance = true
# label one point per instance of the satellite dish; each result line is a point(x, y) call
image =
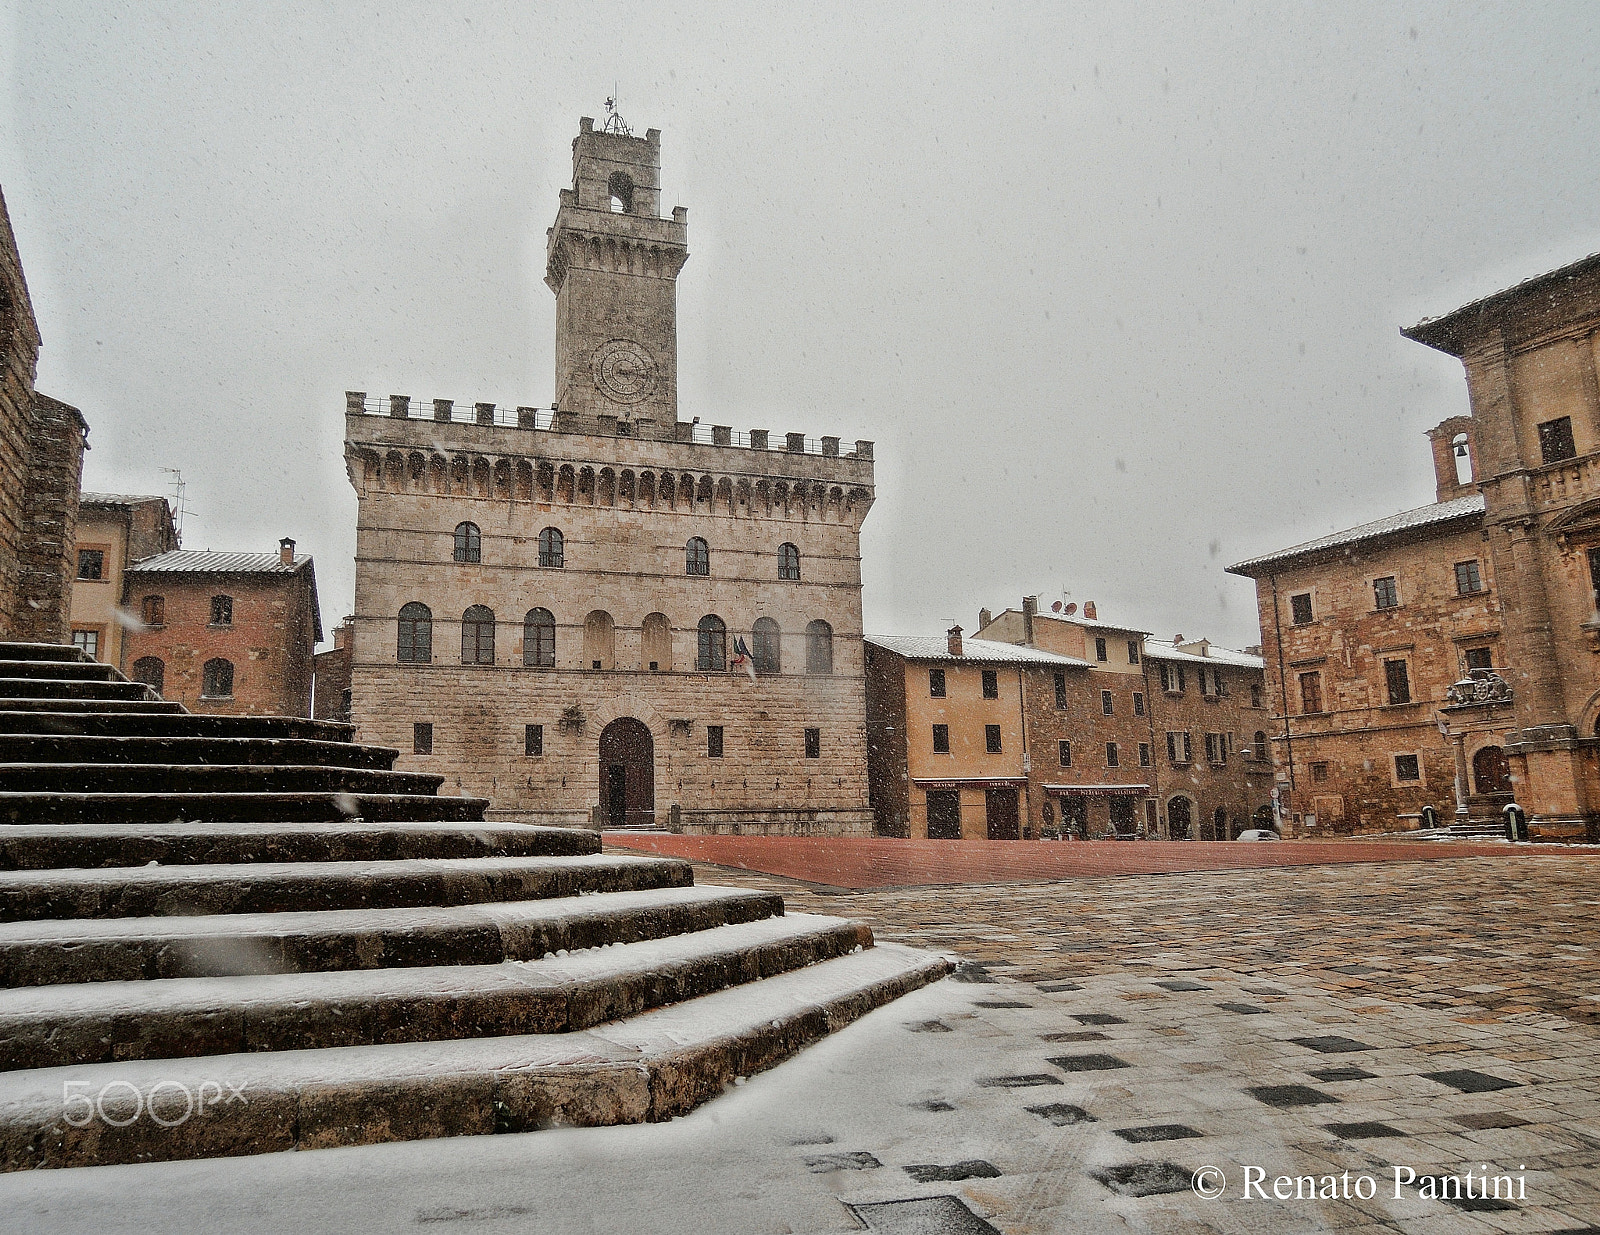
point(1056, 608)
point(1071, 609)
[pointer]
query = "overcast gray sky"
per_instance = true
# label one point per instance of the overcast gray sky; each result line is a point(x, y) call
point(1115, 287)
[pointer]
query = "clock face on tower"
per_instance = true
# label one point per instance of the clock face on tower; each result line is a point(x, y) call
point(624, 371)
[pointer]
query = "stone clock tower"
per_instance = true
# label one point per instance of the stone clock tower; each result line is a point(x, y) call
point(613, 264)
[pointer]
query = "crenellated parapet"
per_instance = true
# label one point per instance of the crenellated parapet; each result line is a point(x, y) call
point(526, 454)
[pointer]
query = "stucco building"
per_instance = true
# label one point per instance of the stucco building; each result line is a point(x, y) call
point(551, 605)
point(225, 633)
point(1058, 725)
point(42, 441)
point(114, 531)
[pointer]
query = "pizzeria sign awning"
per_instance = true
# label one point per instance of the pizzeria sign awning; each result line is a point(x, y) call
point(1098, 791)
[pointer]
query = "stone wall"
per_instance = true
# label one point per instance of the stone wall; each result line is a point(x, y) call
point(46, 558)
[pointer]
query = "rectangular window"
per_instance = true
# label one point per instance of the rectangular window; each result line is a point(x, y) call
point(1172, 679)
point(1310, 693)
point(1064, 751)
point(1112, 755)
point(1384, 593)
point(1144, 754)
point(1221, 686)
point(1594, 576)
point(1133, 651)
point(991, 684)
point(1319, 771)
point(1397, 680)
point(1178, 749)
point(1479, 658)
point(422, 738)
point(1406, 768)
point(88, 642)
point(1138, 703)
point(991, 739)
point(222, 610)
point(1255, 694)
point(714, 742)
point(1099, 649)
point(533, 739)
point(1105, 703)
point(936, 683)
point(1300, 609)
point(1217, 748)
point(1555, 440)
point(941, 739)
point(1061, 690)
point(91, 564)
point(1467, 579)
point(813, 743)
point(1205, 687)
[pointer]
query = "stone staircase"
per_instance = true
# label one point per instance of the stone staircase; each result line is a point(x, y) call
point(225, 936)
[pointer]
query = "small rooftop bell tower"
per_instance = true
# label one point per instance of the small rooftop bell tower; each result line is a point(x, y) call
point(613, 264)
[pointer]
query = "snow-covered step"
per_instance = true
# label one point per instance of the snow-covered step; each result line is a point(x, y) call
point(104, 1021)
point(50, 846)
point(208, 778)
point(176, 723)
point(19, 650)
point(130, 949)
point(290, 806)
point(66, 670)
point(146, 705)
point(647, 1067)
point(171, 749)
point(73, 688)
point(280, 887)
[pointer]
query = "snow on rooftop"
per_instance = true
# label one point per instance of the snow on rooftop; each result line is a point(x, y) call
point(1459, 508)
point(987, 651)
point(203, 561)
point(1168, 649)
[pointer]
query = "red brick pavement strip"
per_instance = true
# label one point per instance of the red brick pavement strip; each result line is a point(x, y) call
point(884, 862)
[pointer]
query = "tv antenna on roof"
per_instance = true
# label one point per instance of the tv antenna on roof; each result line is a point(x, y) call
point(180, 501)
point(614, 122)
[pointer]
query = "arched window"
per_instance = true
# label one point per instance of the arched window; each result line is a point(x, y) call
point(216, 679)
point(222, 610)
point(539, 639)
point(764, 646)
point(713, 644)
point(469, 544)
point(788, 561)
point(1263, 749)
point(414, 646)
point(477, 636)
point(620, 189)
point(819, 647)
point(552, 548)
point(151, 671)
point(599, 640)
point(696, 557)
point(153, 611)
point(657, 639)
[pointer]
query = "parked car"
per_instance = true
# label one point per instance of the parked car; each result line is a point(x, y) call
point(1259, 834)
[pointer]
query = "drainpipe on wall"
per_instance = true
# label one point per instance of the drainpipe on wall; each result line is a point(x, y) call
point(1283, 684)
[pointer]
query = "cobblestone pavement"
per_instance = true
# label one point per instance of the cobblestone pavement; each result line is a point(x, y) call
point(1460, 1001)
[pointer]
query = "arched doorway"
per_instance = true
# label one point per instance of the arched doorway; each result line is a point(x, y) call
point(1180, 818)
point(627, 774)
point(1491, 773)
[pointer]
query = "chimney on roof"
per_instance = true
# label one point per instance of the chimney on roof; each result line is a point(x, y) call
point(1030, 606)
point(1176, 640)
point(1088, 610)
point(953, 638)
point(984, 618)
point(286, 551)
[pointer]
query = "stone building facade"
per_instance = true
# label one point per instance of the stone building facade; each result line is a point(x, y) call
point(550, 606)
point(1533, 385)
point(1090, 728)
point(1366, 633)
point(330, 688)
point(114, 531)
point(229, 634)
point(42, 441)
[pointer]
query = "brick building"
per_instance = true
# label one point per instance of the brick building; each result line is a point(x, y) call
point(1063, 726)
point(550, 606)
point(114, 531)
point(42, 441)
point(225, 633)
point(1530, 359)
point(330, 690)
point(1366, 634)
